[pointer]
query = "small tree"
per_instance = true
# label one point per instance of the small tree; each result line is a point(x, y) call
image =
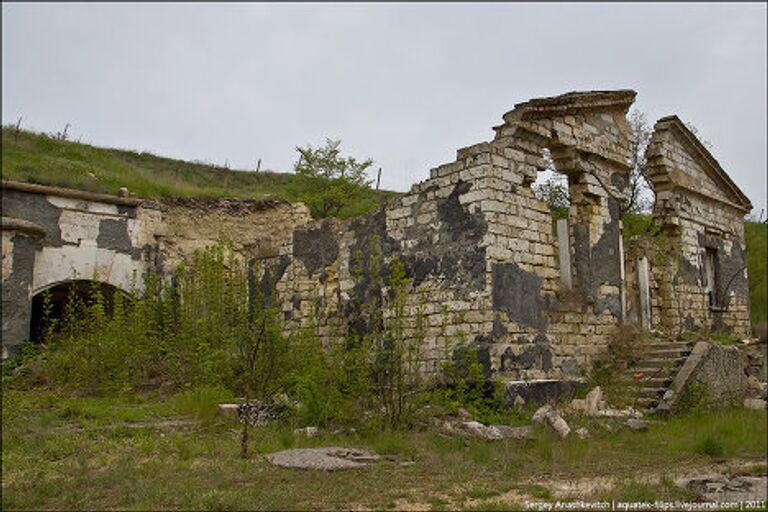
point(333, 181)
point(640, 190)
point(554, 193)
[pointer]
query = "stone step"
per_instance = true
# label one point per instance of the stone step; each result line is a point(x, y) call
point(650, 373)
point(663, 362)
point(675, 352)
point(647, 402)
point(662, 344)
point(658, 382)
point(652, 392)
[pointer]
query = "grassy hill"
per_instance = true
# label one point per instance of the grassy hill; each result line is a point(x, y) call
point(38, 158)
point(756, 235)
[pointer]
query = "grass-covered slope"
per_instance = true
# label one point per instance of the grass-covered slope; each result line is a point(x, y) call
point(38, 158)
point(757, 263)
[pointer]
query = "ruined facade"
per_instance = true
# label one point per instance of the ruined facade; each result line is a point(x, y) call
point(53, 236)
point(488, 268)
point(487, 265)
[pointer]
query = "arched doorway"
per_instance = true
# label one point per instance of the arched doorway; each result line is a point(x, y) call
point(59, 295)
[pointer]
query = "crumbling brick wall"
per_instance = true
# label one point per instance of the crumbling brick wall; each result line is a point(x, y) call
point(480, 247)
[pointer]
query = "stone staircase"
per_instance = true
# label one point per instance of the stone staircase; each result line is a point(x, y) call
point(656, 369)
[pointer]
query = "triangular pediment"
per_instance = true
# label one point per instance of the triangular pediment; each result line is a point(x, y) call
point(678, 160)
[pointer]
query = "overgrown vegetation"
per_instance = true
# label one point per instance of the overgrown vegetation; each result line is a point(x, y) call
point(214, 326)
point(139, 452)
point(49, 160)
point(756, 234)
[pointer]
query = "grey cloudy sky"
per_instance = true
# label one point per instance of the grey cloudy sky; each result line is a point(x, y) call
point(404, 84)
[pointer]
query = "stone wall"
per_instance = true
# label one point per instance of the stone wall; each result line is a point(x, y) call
point(52, 236)
point(699, 214)
point(480, 247)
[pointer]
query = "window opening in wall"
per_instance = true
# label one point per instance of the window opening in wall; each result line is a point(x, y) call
point(551, 188)
point(710, 275)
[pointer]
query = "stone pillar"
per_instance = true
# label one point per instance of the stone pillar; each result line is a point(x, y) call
point(20, 243)
point(644, 289)
point(564, 246)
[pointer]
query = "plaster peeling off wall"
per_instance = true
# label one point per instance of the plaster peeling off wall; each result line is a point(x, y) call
point(480, 248)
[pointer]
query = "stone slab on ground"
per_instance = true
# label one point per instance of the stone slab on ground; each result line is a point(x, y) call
point(330, 458)
point(723, 488)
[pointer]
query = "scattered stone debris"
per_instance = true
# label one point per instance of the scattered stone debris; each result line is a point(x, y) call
point(757, 404)
point(331, 458)
point(256, 413)
point(637, 424)
point(723, 488)
point(547, 415)
point(477, 430)
point(756, 388)
point(594, 405)
point(228, 410)
point(582, 433)
point(307, 431)
point(525, 432)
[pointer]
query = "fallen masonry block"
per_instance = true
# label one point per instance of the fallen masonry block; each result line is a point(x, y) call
point(547, 415)
point(331, 458)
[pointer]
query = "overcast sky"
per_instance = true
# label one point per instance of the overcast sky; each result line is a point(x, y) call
point(403, 84)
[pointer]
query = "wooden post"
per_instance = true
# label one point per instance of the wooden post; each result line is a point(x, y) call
point(378, 179)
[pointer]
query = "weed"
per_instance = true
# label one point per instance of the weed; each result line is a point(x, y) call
point(202, 402)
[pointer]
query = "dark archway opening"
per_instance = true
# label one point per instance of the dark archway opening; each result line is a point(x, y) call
point(50, 311)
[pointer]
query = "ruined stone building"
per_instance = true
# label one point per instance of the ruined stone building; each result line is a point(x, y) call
point(488, 267)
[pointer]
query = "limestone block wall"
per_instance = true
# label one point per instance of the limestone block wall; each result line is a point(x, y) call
point(480, 248)
point(700, 213)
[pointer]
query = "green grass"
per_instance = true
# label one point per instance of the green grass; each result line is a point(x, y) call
point(38, 158)
point(756, 235)
point(153, 453)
